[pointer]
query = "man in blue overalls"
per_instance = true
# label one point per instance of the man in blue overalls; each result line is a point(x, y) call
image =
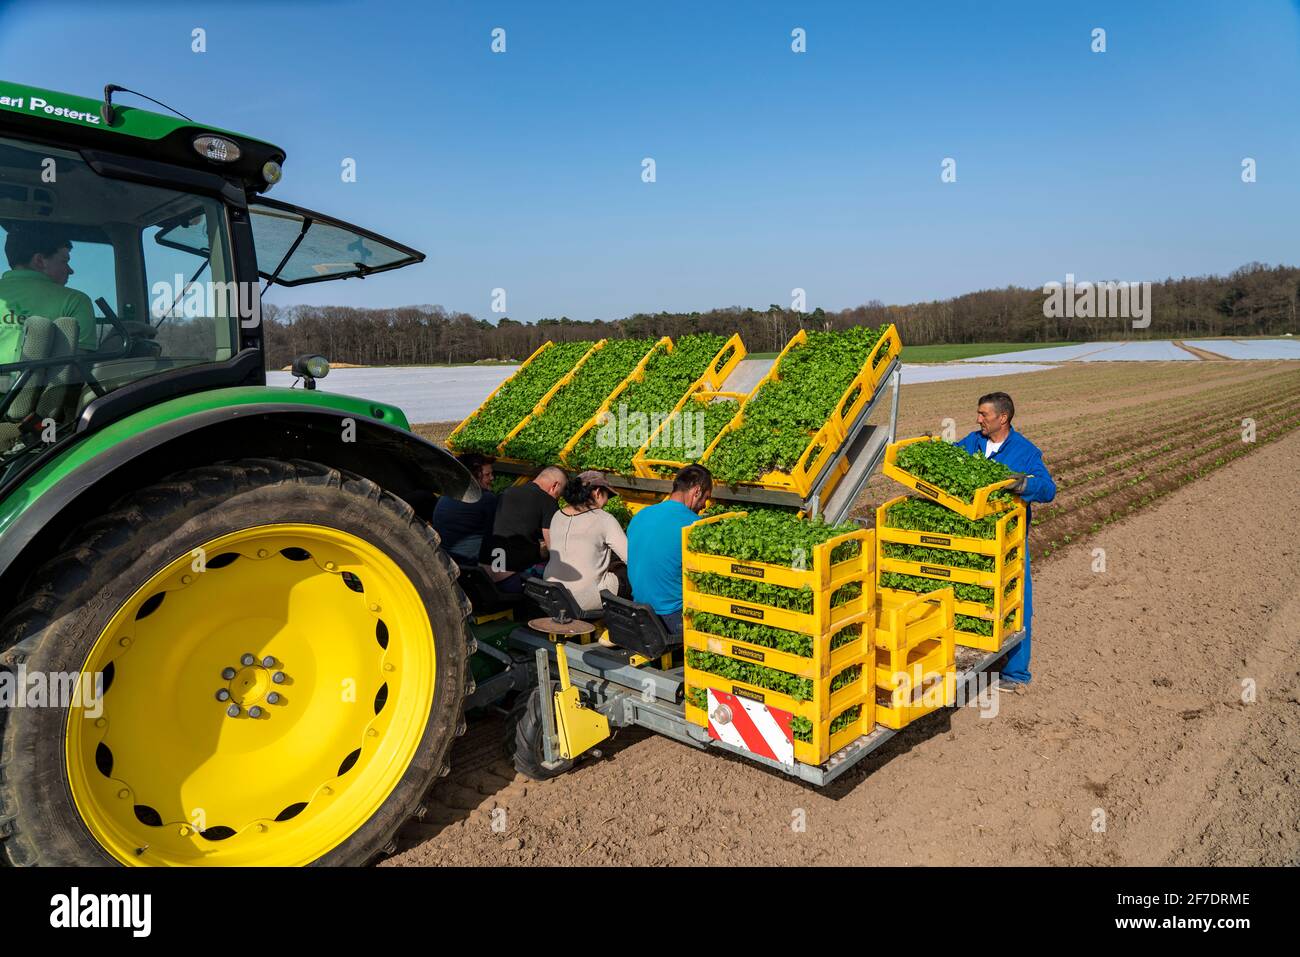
point(997, 440)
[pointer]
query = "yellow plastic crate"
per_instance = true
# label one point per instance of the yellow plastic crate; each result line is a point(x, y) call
point(646, 464)
point(636, 375)
point(822, 662)
point(451, 439)
point(706, 388)
point(1009, 534)
point(1006, 614)
point(824, 443)
point(914, 665)
point(977, 508)
point(820, 574)
point(819, 710)
point(905, 620)
point(821, 745)
point(822, 577)
point(541, 404)
point(1006, 549)
point(900, 707)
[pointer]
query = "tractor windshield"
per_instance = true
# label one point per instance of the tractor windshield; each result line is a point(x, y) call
point(296, 246)
point(106, 282)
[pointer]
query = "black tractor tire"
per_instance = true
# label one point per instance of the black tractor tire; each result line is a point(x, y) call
point(69, 600)
point(525, 728)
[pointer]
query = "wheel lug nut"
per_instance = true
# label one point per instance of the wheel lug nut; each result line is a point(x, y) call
point(233, 711)
point(247, 660)
point(227, 673)
point(278, 677)
point(223, 695)
point(268, 661)
point(254, 712)
point(273, 698)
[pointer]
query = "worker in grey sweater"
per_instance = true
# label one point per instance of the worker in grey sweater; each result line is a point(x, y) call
point(588, 546)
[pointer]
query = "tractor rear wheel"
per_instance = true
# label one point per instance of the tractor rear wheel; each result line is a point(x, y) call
point(282, 659)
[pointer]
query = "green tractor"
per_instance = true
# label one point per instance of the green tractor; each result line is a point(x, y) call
point(227, 635)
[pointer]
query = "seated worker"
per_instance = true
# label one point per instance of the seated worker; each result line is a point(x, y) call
point(585, 540)
point(37, 285)
point(463, 526)
point(521, 531)
point(654, 545)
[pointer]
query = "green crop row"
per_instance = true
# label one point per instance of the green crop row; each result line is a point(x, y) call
point(952, 469)
point(920, 515)
point(915, 583)
point(782, 415)
point(791, 642)
point(568, 410)
point(618, 508)
point(493, 421)
point(667, 377)
point(774, 537)
point(781, 639)
point(845, 635)
point(775, 596)
point(846, 677)
point(938, 556)
point(803, 727)
point(982, 626)
point(699, 697)
point(761, 676)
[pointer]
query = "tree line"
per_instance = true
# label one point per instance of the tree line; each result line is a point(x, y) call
point(1254, 300)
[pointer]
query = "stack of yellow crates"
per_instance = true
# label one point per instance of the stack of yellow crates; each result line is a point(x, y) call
point(987, 575)
point(916, 663)
point(799, 642)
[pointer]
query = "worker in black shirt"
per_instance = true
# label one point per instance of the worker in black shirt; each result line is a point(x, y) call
point(464, 527)
point(521, 533)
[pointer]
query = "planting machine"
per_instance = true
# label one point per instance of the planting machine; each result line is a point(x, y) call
point(282, 654)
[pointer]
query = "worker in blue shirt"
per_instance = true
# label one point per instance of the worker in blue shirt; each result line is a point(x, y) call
point(654, 546)
point(997, 440)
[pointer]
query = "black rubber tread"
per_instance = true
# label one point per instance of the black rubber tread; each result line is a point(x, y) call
point(525, 723)
point(68, 600)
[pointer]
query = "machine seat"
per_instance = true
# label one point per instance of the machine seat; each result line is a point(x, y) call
point(484, 596)
point(557, 602)
point(636, 627)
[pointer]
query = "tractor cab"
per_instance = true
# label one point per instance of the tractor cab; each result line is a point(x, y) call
point(135, 254)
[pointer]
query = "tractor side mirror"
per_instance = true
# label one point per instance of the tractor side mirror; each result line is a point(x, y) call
point(309, 369)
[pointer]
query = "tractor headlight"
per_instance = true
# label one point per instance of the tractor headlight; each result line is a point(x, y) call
point(311, 367)
point(219, 149)
point(271, 173)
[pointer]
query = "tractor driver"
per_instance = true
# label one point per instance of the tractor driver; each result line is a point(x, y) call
point(37, 285)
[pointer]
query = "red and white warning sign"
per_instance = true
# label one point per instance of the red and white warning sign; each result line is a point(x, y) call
point(751, 725)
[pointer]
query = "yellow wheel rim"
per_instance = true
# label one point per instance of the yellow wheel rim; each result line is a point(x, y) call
point(196, 753)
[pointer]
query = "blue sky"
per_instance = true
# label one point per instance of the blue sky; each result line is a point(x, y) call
point(775, 170)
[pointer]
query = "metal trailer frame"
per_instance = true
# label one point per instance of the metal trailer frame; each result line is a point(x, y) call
point(646, 696)
point(652, 698)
